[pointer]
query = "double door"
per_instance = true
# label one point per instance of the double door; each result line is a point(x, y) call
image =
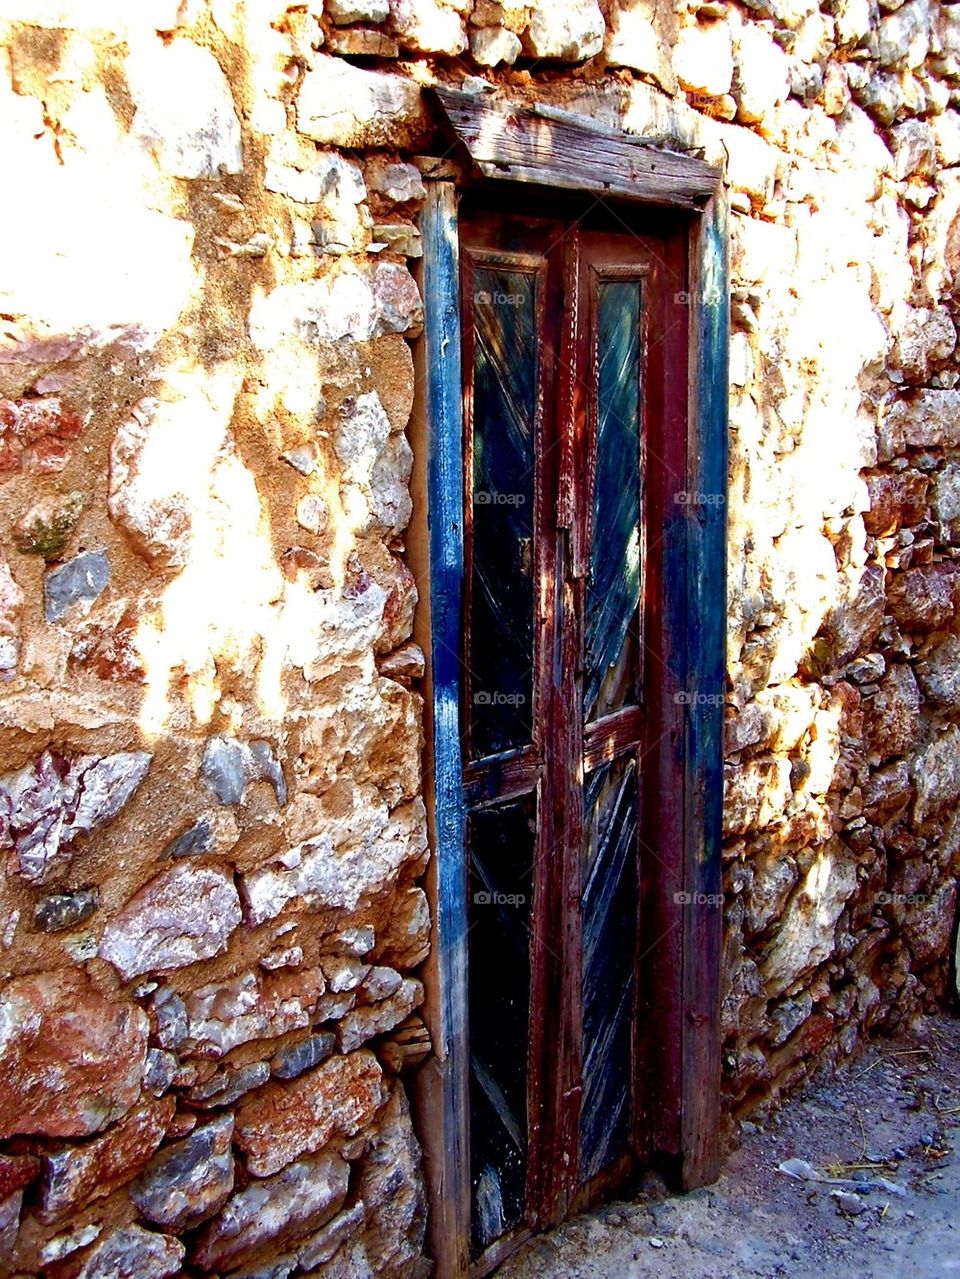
point(573, 452)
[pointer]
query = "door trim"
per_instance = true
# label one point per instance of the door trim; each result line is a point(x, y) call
point(688, 983)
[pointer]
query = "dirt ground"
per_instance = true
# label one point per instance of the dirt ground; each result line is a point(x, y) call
point(896, 1107)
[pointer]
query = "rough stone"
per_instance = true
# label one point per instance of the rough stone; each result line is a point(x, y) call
point(489, 46)
point(229, 766)
point(61, 911)
point(342, 105)
point(63, 1245)
point(938, 673)
point(887, 792)
point(226, 1086)
point(76, 1175)
point(428, 26)
point(128, 1253)
point(346, 11)
point(376, 468)
point(70, 1061)
point(281, 1122)
point(193, 133)
point(391, 1188)
point(221, 1017)
point(398, 181)
point(321, 1246)
point(923, 599)
point(292, 1061)
point(81, 580)
point(406, 941)
point(190, 1180)
point(11, 609)
point(927, 336)
point(45, 528)
point(755, 794)
point(170, 1017)
point(183, 915)
point(47, 804)
point(892, 715)
point(925, 420)
point(936, 775)
point(806, 934)
point(17, 1172)
point(896, 499)
point(568, 32)
point(368, 1020)
point(302, 1197)
point(327, 179)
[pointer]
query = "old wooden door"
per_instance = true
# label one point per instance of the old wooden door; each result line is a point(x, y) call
point(574, 342)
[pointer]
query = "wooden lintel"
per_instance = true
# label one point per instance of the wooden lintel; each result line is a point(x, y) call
point(508, 141)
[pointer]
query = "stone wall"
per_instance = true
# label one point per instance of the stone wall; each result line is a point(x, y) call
point(211, 800)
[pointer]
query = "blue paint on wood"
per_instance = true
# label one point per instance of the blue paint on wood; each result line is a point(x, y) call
point(443, 412)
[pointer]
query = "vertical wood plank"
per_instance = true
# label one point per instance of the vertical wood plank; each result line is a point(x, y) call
point(443, 1083)
point(706, 641)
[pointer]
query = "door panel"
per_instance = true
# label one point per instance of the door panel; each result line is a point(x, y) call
point(563, 328)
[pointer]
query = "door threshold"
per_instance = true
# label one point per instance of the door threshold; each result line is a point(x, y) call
point(499, 1251)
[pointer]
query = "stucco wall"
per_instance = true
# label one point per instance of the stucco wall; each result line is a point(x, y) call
point(211, 802)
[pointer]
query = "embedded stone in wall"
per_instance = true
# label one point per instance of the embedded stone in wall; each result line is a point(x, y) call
point(755, 794)
point(229, 766)
point(887, 792)
point(852, 627)
point(896, 498)
point(938, 672)
point(47, 804)
point(222, 1016)
point(71, 1061)
point(327, 178)
point(76, 1175)
point(807, 930)
point(345, 303)
point(190, 1180)
point(936, 775)
point(17, 1172)
point(376, 1019)
point(81, 580)
point(183, 915)
point(11, 609)
point(568, 30)
point(324, 877)
point(194, 132)
point(925, 598)
point(281, 1122)
point(128, 1253)
point(489, 46)
point(926, 420)
point(892, 714)
point(392, 1190)
point(300, 1198)
point(292, 1061)
point(428, 26)
point(226, 1086)
point(35, 433)
point(346, 11)
point(342, 105)
point(44, 529)
point(398, 181)
point(703, 58)
point(926, 337)
point(376, 467)
point(405, 943)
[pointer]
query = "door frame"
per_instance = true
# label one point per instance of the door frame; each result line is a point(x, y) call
point(687, 910)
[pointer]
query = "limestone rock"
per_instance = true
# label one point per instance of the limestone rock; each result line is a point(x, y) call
point(805, 937)
point(703, 58)
point(376, 468)
point(926, 420)
point(45, 806)
point(292, 1061)
point(342, 105)
point(359, 304)
point(128, 1253)
point(642, 37)
point(376, 1019)
point(182, 915)
point(852, 627)
point(761, 80)
point(924, 598)
point(904, 36)
point(489, 46)
point(391, 1187)
point(405, 943)
point(194, 132)
point(936, 775)
point(229, 766)
point(398, 181)
point(224, 1087)
point(70, 1061)
point(773, 880)
point(11, 608)
point(755, 794)
point(324, 876)
point(190, 1180)
point(80, 581)
point(61, 911)
point(914, 149)
point(223, 1016)
point(938, 672)
point(44, 529)
point(569, 30)
point(10, 1223)
point(76, 1175)
point(428, 26)
point(345, 11)
point(326, 179)
point(281, 1122)
point(926, 338)
point(887, 792)
point(302, 1197)
point(896, 498)
point(892, 715)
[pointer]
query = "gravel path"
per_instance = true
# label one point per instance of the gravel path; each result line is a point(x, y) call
point(892, 1104)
